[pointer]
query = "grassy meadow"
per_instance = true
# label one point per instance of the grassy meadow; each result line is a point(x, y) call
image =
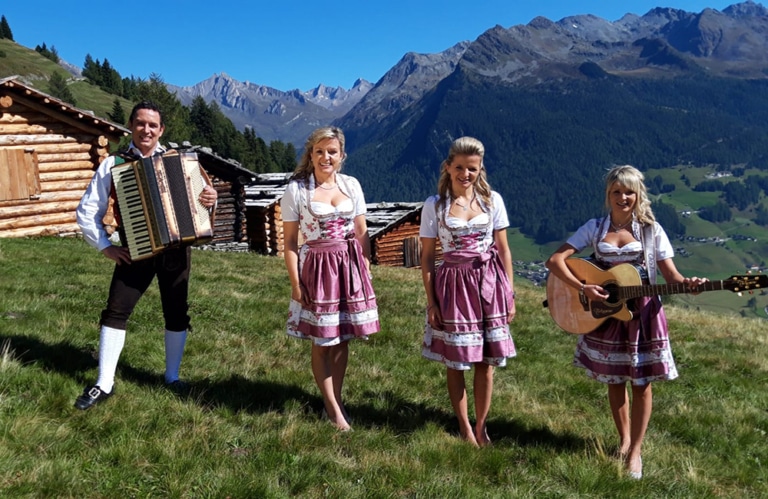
point(251, 428)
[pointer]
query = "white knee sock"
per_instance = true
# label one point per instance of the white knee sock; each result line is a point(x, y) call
point(174, 350)
point(111, 343)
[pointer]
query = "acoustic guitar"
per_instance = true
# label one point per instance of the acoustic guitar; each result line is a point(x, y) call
point(576, 314)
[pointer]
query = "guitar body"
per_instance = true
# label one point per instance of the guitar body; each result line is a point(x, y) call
point(573, 312)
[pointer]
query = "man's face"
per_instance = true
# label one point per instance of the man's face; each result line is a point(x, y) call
point(146, 130)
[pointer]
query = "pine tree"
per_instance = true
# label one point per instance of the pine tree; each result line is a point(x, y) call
point(59, 88)
point(118, 114)
point(92, 69)
point(5, 29)
point(288, 163)
point(111, 81)
point(129, 87)
point(178, 127)
point(53, 54)
point(202, 120)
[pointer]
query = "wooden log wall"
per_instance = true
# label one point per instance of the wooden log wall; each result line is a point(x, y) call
point(265, 229)
point(388, 249)
point(229, 221)
point(67, 153)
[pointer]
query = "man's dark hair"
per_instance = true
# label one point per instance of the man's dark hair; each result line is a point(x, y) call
point(145, 104)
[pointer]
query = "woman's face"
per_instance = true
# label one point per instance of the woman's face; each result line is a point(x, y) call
point(622, 199)
point(464, 170)
point(326, 156)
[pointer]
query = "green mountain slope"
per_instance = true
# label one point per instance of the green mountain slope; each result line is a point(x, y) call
point(36, 70)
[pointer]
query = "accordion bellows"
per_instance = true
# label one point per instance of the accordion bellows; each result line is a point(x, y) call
point(158, 201)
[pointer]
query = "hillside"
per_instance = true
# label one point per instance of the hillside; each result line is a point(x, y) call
point(36, 70)
point(548, 146)
point(251, 427)
point(557, 103)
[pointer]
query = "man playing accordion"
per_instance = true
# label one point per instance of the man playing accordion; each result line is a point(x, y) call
point(132, 278)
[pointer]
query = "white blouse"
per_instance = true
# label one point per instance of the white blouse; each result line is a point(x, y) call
point(323, 220)
point(457, 234)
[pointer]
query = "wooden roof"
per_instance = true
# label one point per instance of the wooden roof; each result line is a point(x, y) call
point(47, 104)
point(226, 169)
point(383, 216)
point(266, 189)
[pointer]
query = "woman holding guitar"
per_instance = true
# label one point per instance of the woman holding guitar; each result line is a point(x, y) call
point(635, 350)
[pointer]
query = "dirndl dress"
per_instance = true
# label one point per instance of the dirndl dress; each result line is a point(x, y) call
point(332, 270)
point(637, 350)
point(473, 292)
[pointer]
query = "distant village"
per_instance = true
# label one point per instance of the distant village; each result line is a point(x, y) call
point(537, 273)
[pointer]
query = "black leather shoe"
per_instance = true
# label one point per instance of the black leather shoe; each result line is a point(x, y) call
point(179, 387)
point(91, 396)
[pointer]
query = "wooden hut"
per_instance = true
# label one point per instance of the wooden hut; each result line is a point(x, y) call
point(48, 153)
point(265, 221)
point(230, 230)
point(394, 232)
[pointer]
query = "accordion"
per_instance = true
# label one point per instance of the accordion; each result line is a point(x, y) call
point(158, 203)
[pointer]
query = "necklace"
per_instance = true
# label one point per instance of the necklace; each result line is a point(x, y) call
point(465, 207)
point(332, 187)
point(617, 228)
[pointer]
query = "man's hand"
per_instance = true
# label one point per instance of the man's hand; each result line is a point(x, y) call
point(208, 196)
point(117, 253)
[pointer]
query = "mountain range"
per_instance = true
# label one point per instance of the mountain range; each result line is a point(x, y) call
point(555, 103)
point(663, 42)
point(274, 114)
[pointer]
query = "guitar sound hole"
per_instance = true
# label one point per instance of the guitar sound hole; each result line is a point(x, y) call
point(613, 291)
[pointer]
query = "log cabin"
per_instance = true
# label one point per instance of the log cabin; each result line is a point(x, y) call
point(230, 227)
point(392, 227)
point(48, 153)
point(394, 232)
point(265, 220)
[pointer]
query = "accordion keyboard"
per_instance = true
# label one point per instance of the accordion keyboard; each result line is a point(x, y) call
point(132, 213)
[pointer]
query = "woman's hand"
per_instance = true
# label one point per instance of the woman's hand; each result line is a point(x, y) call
point(512, 312)
point(594, 292)
point(299, 293)
point(434, 317)
point(693, 282)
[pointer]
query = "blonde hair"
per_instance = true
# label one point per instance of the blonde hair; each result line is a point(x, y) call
point(464, 146)
point(305, 168)
point(633, 179)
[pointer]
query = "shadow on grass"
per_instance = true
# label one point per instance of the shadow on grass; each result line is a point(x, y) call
point(62, 357)
point(404, 416)
point(237, 394)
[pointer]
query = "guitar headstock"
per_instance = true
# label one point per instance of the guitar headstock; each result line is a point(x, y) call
point(739, 283)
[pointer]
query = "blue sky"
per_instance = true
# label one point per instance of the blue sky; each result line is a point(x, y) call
point(282, 44)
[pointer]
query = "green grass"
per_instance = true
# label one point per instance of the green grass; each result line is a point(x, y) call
point(251, 427)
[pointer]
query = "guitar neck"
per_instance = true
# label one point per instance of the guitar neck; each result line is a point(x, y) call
point(627, 292)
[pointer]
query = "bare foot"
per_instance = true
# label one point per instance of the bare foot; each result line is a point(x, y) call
point(339, 421)
point(482, 436)
point(469, 437)
point(623, 451)
point(635, 467)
